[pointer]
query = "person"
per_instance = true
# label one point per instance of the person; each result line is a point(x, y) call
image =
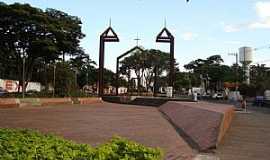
point(195, 96)
point(244, 103)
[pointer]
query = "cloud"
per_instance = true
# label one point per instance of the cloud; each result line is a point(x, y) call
point(188, 36)
point(231, 28)
point(262, 22)
point(263, 9)
point(263, 13)
point(233, 42)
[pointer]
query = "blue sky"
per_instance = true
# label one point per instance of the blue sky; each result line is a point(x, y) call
point(201, 27)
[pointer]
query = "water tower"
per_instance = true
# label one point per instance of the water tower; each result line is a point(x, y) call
point(245, 54)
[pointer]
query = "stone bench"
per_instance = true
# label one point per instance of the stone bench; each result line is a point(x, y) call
point(55, 101)
point(29, 102)
point(85, 101)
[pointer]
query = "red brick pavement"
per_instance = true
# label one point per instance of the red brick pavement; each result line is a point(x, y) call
point(203, 124)
point(97, 123)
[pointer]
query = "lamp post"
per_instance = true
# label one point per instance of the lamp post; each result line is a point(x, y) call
point(23, 77)
point(54, 75)
point(87, 79)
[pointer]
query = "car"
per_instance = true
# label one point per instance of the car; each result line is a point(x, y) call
point(219, 96)
point(214, 96)
point(206, 96)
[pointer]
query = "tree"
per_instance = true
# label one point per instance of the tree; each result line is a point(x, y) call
point(86, 69)
point(182, 80)
point(260, 78)
point(34, 35)
point(148, 65)
point(65, 79)
point(67, 31)
point(136, 62)
point(211, 70)
point(158, 64)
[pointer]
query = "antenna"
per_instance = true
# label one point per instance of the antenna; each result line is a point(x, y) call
point(110, 22)
point(165, 22)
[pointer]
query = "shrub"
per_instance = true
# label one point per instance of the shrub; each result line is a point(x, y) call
point(32, 145)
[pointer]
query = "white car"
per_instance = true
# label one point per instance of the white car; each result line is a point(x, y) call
point(217, 96)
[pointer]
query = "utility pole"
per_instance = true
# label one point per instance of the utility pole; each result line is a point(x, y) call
point(236, 69)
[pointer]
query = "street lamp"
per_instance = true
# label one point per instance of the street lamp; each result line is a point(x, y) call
point(23, 75)
point(23, 78)
point(54, 73)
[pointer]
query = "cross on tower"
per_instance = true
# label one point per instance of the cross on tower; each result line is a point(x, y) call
point(137, 40)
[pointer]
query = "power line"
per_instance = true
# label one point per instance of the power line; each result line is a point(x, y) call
point(262, 47)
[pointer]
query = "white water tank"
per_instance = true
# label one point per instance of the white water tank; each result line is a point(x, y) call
point(245, 54)
point(246, 58)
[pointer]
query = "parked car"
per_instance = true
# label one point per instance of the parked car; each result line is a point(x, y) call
point(206, 95)
point(219, 96)
point(214, 96)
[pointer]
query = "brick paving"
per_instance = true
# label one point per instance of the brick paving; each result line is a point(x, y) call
point(248, 138)
point(97, 123)
point(202, 124)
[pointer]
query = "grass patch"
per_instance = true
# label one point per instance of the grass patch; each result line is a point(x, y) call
point(22, 144)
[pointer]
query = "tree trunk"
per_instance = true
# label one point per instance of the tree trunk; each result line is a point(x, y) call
point(63, 57)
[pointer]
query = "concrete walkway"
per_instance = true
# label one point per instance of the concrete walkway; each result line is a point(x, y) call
point(97, 123)
point(248, 138)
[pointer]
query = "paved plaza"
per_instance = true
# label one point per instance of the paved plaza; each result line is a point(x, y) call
point(247, 139)
point(97, 123)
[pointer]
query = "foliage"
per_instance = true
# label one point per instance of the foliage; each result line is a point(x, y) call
point(211, 70)
point(37, 36)
point(182, 80)
point(247, 90)
point(119, 148)
point(85, 68)
point(259, 82)
point(260, 77)
point(32, 145)
point(65, 80)
point(149, 65)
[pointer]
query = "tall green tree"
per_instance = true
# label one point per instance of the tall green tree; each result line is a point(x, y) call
point(148, 65)
point(211, 70)
point(35, 35)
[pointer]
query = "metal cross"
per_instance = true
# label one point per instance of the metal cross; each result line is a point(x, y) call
point(137, 40)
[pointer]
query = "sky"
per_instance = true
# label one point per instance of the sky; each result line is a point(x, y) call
point(201, 27)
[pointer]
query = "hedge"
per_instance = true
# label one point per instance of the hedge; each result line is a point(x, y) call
point(22, 144)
